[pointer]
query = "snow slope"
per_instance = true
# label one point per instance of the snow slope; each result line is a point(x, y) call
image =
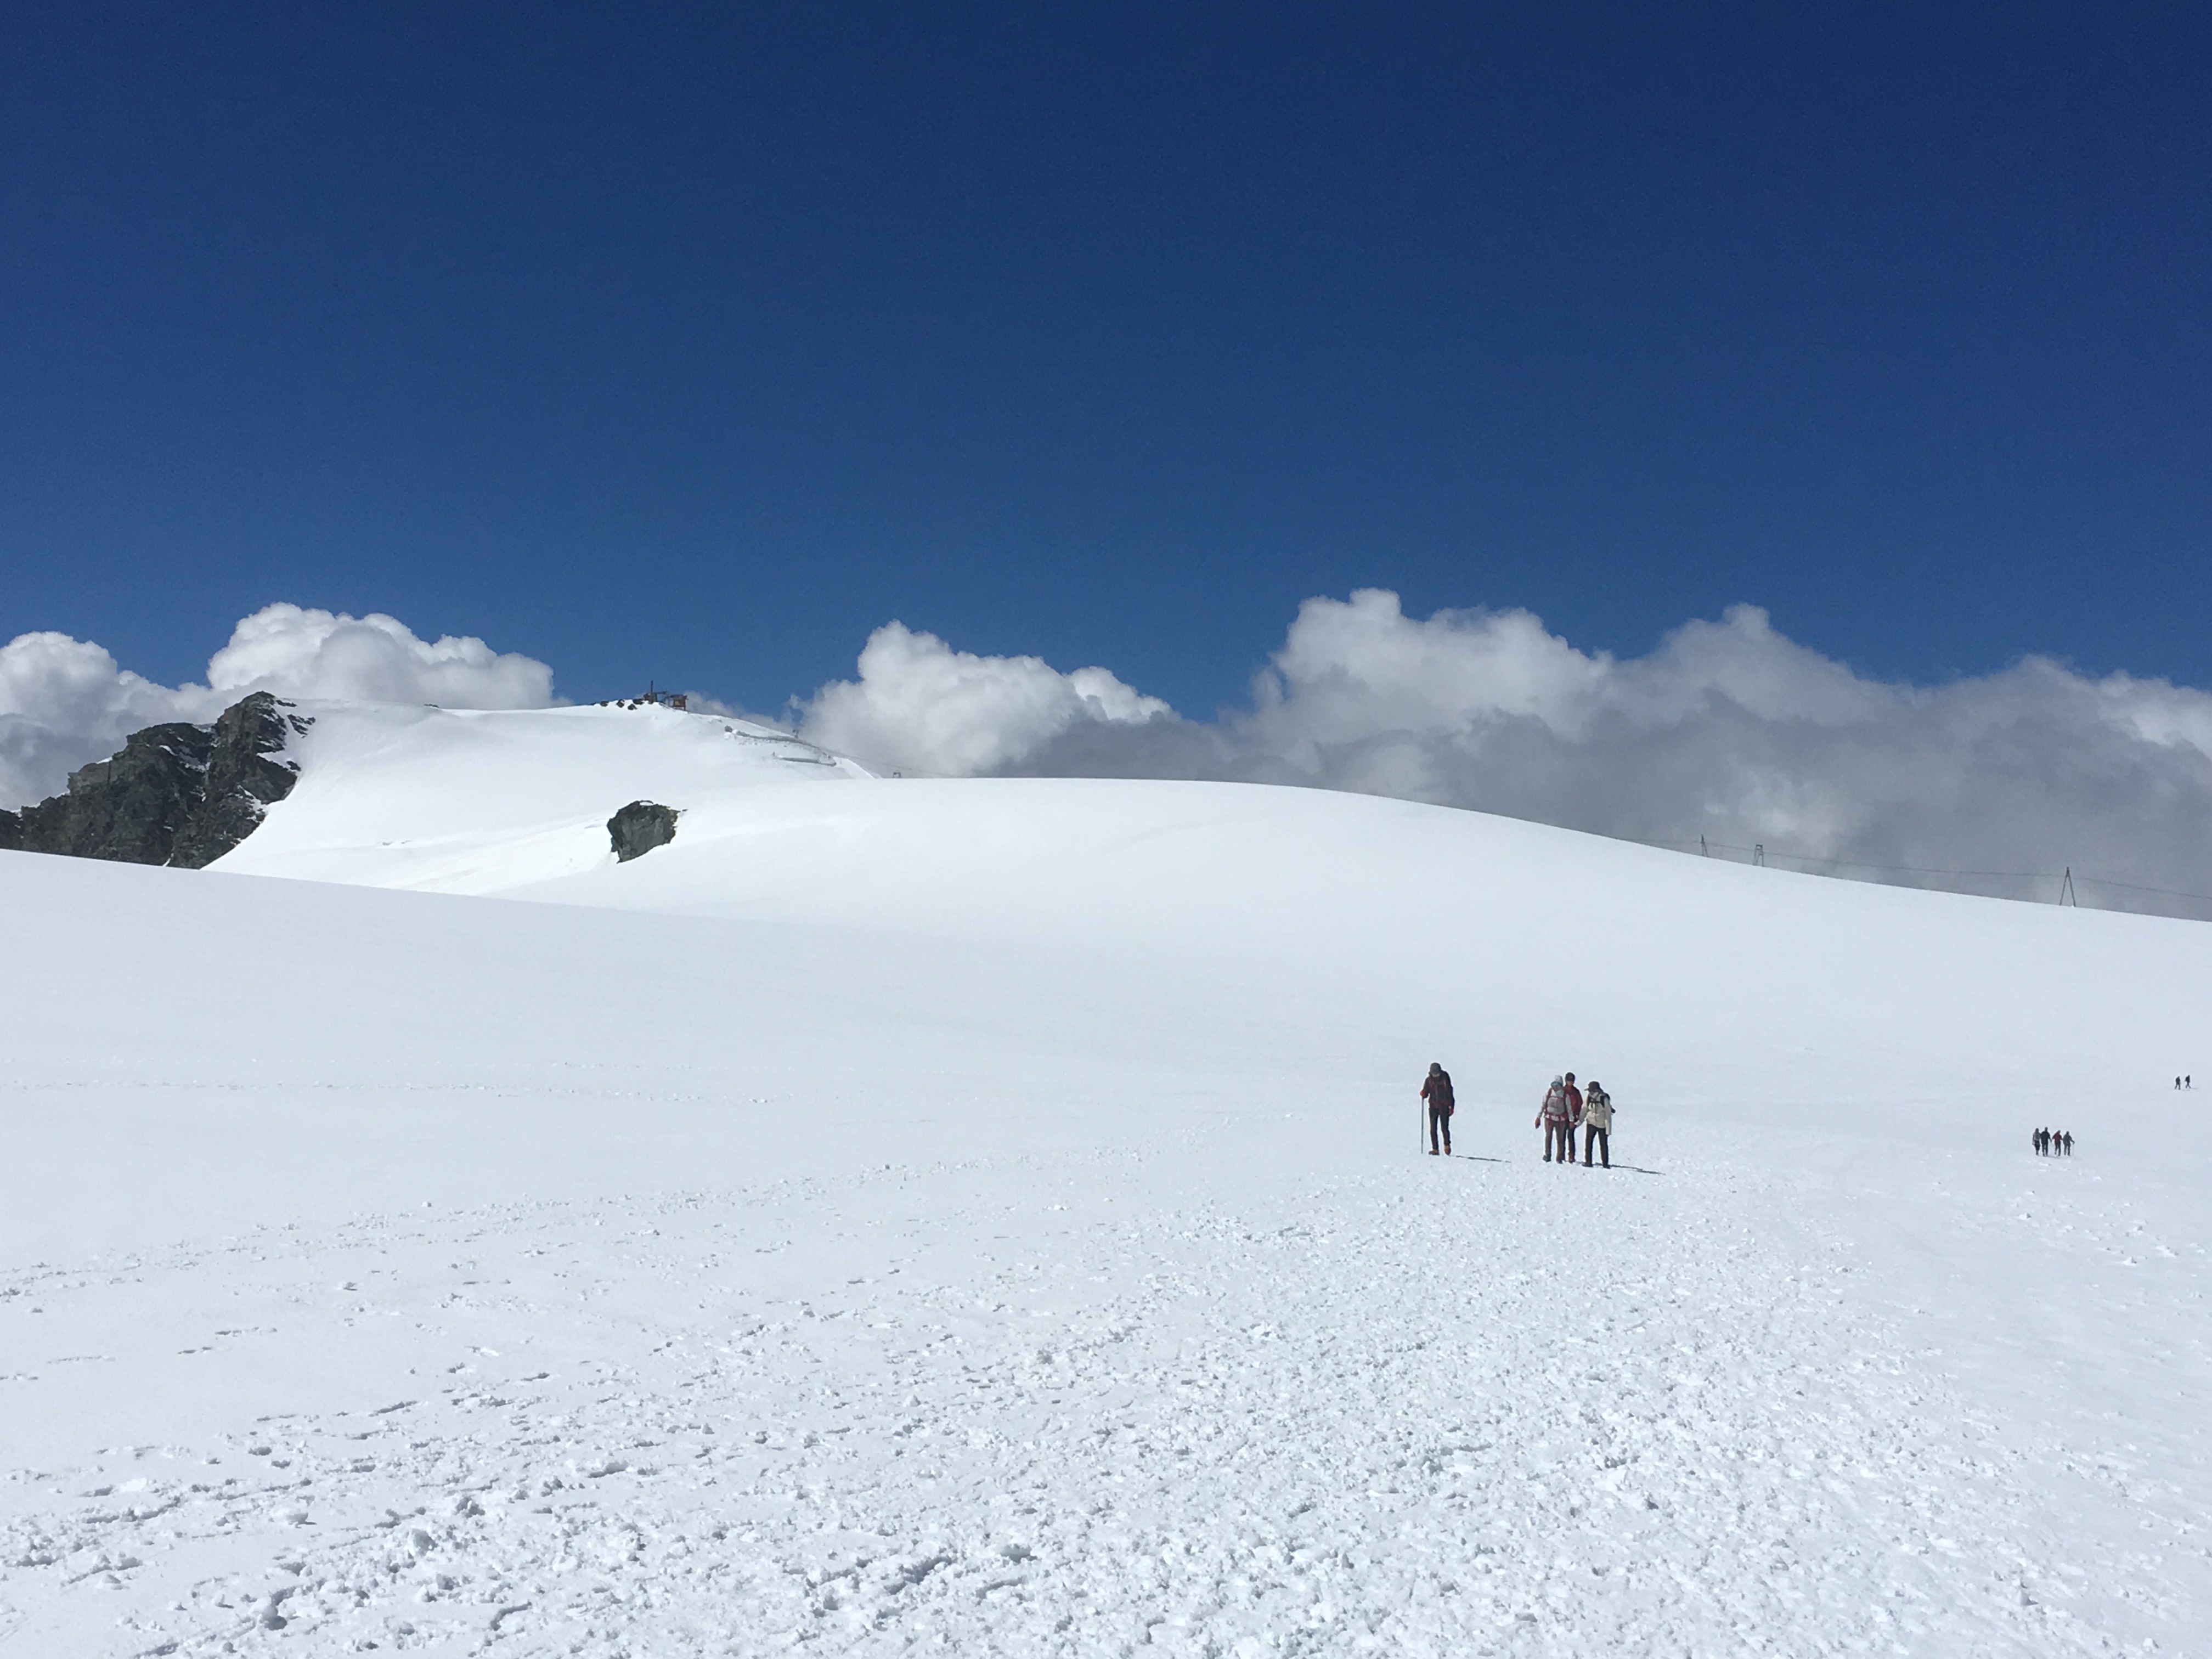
point(467, 800)
point(986, 1217)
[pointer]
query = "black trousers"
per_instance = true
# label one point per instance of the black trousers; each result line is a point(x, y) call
point(1439, 1123)
point(1600, 1139)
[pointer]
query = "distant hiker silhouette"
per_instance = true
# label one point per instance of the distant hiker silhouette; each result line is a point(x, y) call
point(1436, 1090)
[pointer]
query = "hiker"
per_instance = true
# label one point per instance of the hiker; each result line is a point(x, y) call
point(2066, 1141)
point(2036, 1141)
point(1436, 1090)
point(1597, 1123)
point(1557, 1118)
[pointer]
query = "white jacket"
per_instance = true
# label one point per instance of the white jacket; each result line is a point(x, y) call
point(1597, 1111)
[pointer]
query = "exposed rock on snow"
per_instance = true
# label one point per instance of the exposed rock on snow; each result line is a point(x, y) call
point(639, 827)
point(177, 794)
point(130, 806)
point(484, 801)
point(246, 776)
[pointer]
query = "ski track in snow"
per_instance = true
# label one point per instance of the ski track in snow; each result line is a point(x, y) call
point(1474, 1406)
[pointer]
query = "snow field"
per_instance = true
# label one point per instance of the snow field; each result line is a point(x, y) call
point(1364, 1416)
point(986, 1218)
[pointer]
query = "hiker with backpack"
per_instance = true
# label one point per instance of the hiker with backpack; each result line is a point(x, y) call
point(1561, 1101)
point(1597, 1124)
point(1436, 1090)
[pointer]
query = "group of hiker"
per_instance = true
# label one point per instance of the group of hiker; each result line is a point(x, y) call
point(1566, 1108)
point(1590, 1108)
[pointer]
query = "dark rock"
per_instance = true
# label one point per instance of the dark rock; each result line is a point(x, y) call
point(130, 806)
point(11, 833)
point(639, 827)
point(243, 779)
point(173, 794)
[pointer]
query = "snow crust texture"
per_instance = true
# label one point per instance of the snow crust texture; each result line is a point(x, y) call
point(1184, 1431)
point(917, 1217)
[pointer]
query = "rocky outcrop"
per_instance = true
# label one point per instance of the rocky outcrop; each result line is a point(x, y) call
point(639, 827)
point(177, 795)
point(246, 776)
point(130, 806)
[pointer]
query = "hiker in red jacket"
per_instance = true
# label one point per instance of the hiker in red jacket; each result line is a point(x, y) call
point(1436, 1090)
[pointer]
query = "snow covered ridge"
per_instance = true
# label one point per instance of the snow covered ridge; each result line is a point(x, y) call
point(433, 790)
point(482, 801)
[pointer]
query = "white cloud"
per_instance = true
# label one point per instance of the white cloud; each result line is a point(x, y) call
point(922, 706)
point(1728, 730)
point(297, 653)
point(65, 701)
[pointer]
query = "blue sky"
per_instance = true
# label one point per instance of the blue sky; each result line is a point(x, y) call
point(695, 343)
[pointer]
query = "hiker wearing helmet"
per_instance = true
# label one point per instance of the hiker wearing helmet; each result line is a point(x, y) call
point(1597, 1124)
point(1436, 1090)
point(1557, 1118)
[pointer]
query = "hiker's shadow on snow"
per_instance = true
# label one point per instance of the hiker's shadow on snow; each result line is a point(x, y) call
point(1599, 1169)
point(1477, 1157)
